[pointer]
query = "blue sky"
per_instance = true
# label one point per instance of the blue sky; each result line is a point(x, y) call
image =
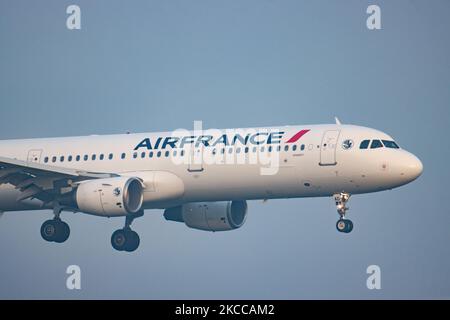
point(159, 65)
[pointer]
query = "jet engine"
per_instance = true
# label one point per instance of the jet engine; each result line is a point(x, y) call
point(210, 216)
point(110, 197)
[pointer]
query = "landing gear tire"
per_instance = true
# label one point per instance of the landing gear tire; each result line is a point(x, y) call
point(341, 200)
point(133, 241)
point(118, 240)
point(62, 232)
point(48, 230)
point(125, 240)
point(344, 225)
point(55, 231)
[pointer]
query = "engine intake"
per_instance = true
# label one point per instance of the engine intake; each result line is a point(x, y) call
point(110, 197)
point(210, 216)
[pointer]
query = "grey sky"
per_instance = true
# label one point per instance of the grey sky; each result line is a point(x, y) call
point(160, 65)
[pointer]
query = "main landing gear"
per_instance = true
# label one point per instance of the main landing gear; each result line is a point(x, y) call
point(343, 225)
point(126, 239)
point(55, 230)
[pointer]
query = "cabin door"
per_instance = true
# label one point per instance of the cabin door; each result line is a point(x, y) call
point(328, 148)
point(195, 159)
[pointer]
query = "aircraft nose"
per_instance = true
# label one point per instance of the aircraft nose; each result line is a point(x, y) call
point(412, 167)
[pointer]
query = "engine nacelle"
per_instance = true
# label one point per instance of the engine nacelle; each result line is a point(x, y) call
point(210, 216)
point(110, 197)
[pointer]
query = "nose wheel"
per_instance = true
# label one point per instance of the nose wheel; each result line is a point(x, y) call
point(343, 225)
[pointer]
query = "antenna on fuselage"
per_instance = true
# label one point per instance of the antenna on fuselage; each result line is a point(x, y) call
point(337, 121)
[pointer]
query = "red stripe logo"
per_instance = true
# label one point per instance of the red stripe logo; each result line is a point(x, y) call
point(297, 136)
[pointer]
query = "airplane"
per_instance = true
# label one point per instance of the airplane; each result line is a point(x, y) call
point(202, 178)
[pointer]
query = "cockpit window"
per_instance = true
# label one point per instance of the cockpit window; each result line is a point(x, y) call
point(390, 144)
point(376, 144)
point(364, 144)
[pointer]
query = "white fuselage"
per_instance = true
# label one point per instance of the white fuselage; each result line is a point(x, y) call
point(327, 159)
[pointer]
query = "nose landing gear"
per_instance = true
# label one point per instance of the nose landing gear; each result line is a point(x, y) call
point(342, 225)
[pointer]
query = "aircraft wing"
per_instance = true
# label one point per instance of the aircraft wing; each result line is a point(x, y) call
point(43, 182)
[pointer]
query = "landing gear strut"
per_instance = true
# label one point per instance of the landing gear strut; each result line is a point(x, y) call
point(126, 239)
point(55, 230)
point(342, 225)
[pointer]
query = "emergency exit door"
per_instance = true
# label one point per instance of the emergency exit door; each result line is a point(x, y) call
point(34, 156)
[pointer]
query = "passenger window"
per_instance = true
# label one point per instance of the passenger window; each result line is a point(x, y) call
point(78, 158)
point(262, 149)
point(302, 147)
point(86, 157)
point(182, 153)
point(175, 152)
point(46, 159)
point(135, 155)
point(364, 144)
point(102, 156)
point(111, 156)
point(54, 159)
point(123, 156)
point(159, 154)
point(286, 148)
point(269, 148)
point(246, 149)
point(238, 150)
point(390, 144)
point(376, 144)
point(151, 154)
point(294, 147)
point(61, 159)
point(167, 154)
point(94, 157)
point(278, 148)
point(69, 159)
point(143, 155)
